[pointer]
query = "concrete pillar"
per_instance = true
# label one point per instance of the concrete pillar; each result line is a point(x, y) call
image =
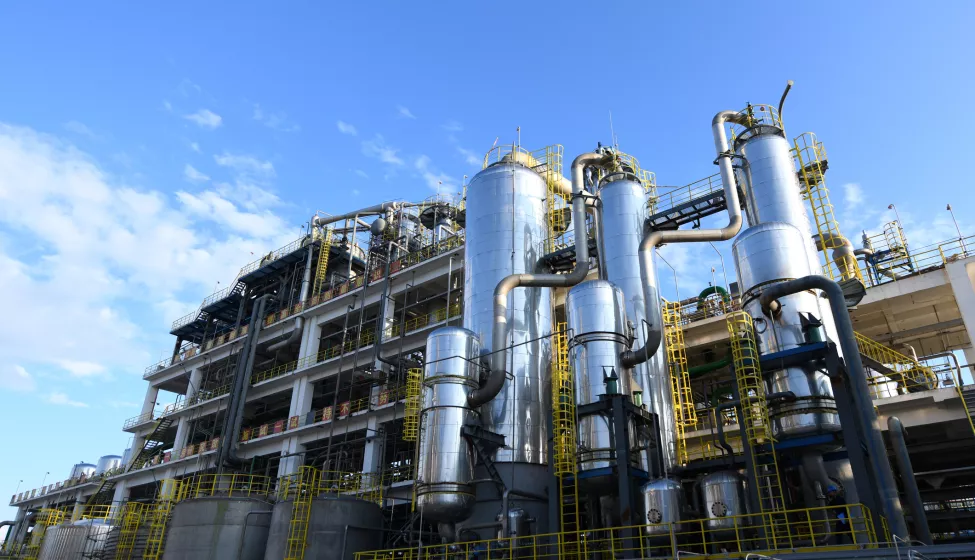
point(302, 392)
point(182, 434)
point(372, 456)
point(961, 276)
point(310, 338)
point(79, 507)
point(149, 403)
point(196, 376)
point(120, 496)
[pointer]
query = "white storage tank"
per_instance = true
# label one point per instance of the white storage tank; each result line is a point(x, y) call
point(107, 463)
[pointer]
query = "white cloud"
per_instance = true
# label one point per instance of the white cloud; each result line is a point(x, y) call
point(436, 180)
point(470, 158)
point(853, 195)
point(122, 261)
point(404, 112)
point(362, 173)
point(193, 175)
point(82, 369)
point(123, 404)
point(205, 118)
point(16, 378)
point(276, 120)
point(346, 128)
point(356, 192)
point(80, 129)
point(60, 398)
point(377, 148)
point(244, 164)
point(452, 126)
point(195, 147)
point(167, 106)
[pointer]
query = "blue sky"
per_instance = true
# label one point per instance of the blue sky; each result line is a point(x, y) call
point(147, 151)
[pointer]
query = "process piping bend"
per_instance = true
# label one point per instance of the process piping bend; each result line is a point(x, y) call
point(654, 239)
point(499, 332)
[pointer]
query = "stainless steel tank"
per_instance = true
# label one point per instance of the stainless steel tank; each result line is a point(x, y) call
point(723, 494)
point(218, 528)
point(86, 469)
point(506, 227)
point(446, 462)
point(597, 336)
point(107, 463)
point(663, 506)
point(338, 527)
point(82, 539)
point(624, 206)
point(766, 254)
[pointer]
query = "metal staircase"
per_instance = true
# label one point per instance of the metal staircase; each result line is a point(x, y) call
point(755, 426)
point(685, 415)
point(322, 269)
point(158, 515)
point(411, 414)
point(687, 204)
point(132, 515)
point(811, 165)
point(152, 445)
point(304, 489)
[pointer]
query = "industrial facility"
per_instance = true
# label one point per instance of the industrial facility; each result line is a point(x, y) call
point(497, 374)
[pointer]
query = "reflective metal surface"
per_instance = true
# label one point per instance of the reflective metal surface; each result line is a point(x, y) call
point(663, 502)
point(621, 230)
point(506, 229)
point(763, 255)
point(596, 338)
point(83, 539)
point(86, 469)
point(446, 462)
point(723, 493)
point(107, 463)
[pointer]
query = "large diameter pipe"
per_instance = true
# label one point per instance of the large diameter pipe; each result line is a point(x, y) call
point(232, 438)
point(499, 332)
point(897, 434)
point(859, 389)
point(302, 298)
point(654, 239)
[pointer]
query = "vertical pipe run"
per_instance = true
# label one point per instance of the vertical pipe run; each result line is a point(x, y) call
point(897, 437)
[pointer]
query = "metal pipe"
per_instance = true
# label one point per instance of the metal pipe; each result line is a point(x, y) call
point(951, 356)
point(788, 86)
point(897, 438)
point(654, 239)
point(243, 530)
point(383, 302)
point(495, 381)
point(722, 440)
point(859, 389)
point(318, 220)
point(232, 437)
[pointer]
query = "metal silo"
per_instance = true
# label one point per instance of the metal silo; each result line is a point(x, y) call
point(624, 204)
point(778, 246)
point(506, 229)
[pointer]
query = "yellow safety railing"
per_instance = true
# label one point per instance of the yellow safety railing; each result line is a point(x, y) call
point(303, 493)
point(907, 373)
point(101, 511)
point(230, 485)
point(411, 412)
point(811, 165)
point(159, 518)
point(685, 415)
point(46, 518)
point(755, 425)
point(813, 530)
point(322, 269)
point(754, 117)
point(564, 441)
point(132, 516)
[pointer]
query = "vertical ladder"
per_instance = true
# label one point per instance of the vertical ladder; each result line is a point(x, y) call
point(571, 545)
point(132, 516)
point(755, 428)
point(411, 414)
point(46, 519)
point(322, 269)
point(685, 415)
point(555, 205)
point(811, 165)
point(304, 489)
point(159, 518)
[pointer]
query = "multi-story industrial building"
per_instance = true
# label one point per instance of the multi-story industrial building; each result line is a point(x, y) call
point(349, 392)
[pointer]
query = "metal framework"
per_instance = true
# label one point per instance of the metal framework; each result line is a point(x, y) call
point(411, 413)
point(322, 268)
point(131, 516)
point(303, 492)
point(565, 464)
point(46, 518)
point(159, 518)
point(685, 415)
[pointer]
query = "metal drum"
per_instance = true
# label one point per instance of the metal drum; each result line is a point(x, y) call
point(663, 506)
point(446, 463)
point(723, 494)
point(86, 469)
point(766, 254)
point(107, 463)
point(218, 528)
point(506, 229)
point(338, 527)
point(597, 336)
point(624, 205)
point(82, 539)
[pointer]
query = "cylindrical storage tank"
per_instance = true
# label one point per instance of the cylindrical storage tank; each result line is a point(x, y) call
point(766, 254)
point(408, 226)
point(126, 456)
point(723, 494)
point(107, 463)
point(446, 461)
point(597, 328)
point(86, 469)
point(663, 505)
point(218, 528)
point(506, 229)
point(327, 534)
point(82, 539)
point(624, 211)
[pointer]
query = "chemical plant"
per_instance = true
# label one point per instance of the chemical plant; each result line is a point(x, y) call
point(497, 375)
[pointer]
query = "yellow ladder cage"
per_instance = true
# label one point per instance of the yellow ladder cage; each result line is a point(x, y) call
point(685, 415)
point(303, 492)
point(159, 518)
point(131, 518)
point(322, 269)
point(755, 427)
point(412, 403)
point(46, 519)
point(564, 440)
